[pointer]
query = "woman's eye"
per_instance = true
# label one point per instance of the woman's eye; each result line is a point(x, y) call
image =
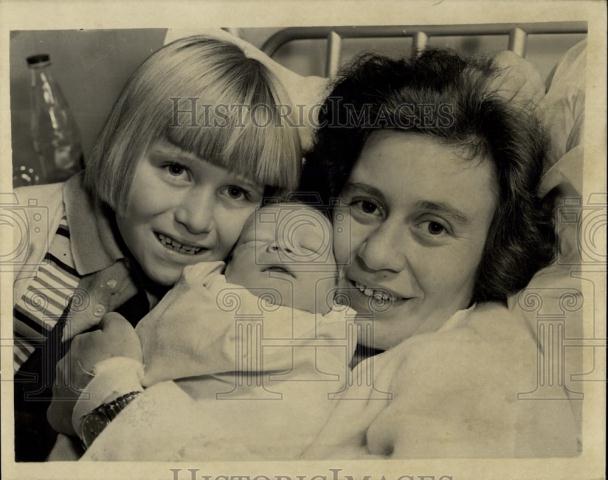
point(434, 228)
point(366, 207)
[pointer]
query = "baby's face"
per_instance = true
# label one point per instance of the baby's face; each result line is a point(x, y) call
point(287, 248)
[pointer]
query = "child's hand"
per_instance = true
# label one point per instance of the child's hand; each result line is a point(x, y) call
point(115, 338)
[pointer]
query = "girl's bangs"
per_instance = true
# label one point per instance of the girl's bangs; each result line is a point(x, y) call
point(254, 142)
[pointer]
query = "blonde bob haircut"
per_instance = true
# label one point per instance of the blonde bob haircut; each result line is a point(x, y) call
point(207, 98)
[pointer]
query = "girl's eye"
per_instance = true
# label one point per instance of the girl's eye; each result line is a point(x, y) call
point(175, 169)
point(234, 192)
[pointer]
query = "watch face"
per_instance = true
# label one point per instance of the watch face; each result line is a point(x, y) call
point(94, 422)
point(92, 425)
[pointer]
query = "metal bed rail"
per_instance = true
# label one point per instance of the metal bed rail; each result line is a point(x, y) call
point(420, 35)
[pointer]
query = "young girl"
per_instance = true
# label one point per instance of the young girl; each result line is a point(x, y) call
point(189, 149)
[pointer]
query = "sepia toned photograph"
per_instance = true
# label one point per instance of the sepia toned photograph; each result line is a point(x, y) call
point(304, 249)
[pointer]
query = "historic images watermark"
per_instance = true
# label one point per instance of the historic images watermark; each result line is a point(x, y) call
point(331, 474)
point(192, 112)
point(21, 222)
point(558, 312)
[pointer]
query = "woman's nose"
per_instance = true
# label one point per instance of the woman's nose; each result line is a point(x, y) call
point(197, 212)
point(384, 249)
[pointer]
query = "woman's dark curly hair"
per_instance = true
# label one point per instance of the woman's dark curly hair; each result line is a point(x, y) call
point(454, 99)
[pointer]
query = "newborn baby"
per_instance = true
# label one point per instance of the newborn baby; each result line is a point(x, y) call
point(219, 346)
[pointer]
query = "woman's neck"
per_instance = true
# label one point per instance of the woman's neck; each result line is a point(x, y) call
point(363, 352)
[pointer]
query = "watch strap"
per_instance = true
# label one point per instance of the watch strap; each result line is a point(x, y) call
point(94, 422)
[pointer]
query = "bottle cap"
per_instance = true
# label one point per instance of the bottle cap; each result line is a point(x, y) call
point(40, 58)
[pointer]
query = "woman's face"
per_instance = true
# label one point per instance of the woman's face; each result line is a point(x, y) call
point(417, 213)
point(183, 210)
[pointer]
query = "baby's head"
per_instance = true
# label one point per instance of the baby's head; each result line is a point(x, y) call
point(286, 248)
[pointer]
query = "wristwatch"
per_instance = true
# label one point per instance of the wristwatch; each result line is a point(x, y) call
point(96, 420)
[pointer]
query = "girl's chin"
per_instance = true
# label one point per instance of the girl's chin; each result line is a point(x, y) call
point(165, 268)
point(165, 276)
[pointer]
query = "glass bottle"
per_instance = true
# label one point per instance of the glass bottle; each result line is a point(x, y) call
point(54, 131)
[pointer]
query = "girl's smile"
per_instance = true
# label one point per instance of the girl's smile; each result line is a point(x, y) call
point(181, 247)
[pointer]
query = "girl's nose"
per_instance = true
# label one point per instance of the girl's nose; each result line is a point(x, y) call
point(197, 212)
point(384, 249)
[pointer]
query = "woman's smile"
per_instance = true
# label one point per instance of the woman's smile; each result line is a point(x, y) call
point(370, 298)
point(377, 292)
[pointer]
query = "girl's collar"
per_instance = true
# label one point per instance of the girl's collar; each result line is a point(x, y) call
point(92, 239)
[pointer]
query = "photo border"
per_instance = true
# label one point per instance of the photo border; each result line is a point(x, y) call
point(26, 15)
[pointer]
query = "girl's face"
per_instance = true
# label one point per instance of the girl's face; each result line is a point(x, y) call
point(419, 214)
point(183, 210)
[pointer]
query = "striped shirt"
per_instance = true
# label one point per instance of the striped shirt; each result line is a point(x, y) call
point(83, 245)
point(47, 296)
point(76, 264)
